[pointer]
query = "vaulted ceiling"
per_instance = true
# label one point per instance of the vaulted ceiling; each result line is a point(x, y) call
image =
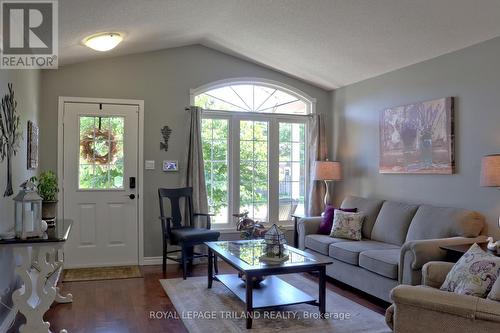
point(330, 43)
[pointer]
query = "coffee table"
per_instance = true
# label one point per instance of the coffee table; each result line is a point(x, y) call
point(272, 292)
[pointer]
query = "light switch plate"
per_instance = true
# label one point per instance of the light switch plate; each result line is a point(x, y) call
point(149, 165)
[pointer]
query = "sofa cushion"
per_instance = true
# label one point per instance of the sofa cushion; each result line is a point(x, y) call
point(349, 251)
point(368, 207)
point(347, 225)
point(494, 294)
point(320, 243)
point(392, 222)
point(325, 227)
point(382, 262)
point(473, 274)
point(432, 222)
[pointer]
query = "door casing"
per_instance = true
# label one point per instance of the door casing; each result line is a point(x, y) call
point(140, 156)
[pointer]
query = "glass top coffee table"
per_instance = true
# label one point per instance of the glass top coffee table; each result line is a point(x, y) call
point(271, 292)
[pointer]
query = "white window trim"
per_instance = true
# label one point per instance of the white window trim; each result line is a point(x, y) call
point(234, 118)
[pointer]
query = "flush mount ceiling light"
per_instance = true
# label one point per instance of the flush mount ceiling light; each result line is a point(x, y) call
point(103, 41)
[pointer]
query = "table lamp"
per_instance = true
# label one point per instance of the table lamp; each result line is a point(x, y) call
point(327, 171)
point(490, 177)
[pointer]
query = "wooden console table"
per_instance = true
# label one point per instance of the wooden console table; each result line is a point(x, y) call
point(39, 265)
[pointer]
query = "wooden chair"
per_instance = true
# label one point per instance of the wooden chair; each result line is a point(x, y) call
point(183, 234)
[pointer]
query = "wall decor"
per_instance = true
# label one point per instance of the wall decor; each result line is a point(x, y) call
point(32, 145)
point(170, 166)
point(165, 133)
point(9, 134)
point(418, 138)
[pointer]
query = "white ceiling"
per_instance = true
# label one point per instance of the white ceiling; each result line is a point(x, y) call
point(330, 43)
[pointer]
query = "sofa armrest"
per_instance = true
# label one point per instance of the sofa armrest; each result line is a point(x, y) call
point(414, 254)
point(434, 273)
point(435, 300)
point(307, 226)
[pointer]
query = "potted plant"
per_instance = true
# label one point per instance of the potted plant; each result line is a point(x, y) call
point(47, 188)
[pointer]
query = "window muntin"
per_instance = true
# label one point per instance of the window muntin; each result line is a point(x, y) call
point(101, 153)
point(251, 98)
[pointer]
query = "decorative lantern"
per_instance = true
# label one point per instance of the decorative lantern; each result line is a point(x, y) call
point(275, 243)
point(28, 212)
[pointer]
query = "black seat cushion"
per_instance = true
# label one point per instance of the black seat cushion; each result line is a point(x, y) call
point(192, 235)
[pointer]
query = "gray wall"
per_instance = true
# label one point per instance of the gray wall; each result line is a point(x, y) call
point(26, 88)
point(162, 79)
point(472, 76)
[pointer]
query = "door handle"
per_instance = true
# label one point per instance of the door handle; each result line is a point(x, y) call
point(131, 196)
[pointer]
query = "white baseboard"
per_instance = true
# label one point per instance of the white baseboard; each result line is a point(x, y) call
point(8, 320)
point(148, 261)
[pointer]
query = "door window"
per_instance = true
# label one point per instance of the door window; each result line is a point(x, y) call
point(101, 153)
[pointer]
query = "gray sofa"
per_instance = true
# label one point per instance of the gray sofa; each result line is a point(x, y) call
point(398, 239)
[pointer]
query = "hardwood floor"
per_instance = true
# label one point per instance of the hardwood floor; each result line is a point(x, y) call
point(119, 306)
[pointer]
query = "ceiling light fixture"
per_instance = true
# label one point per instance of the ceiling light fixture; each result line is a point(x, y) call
point(104, 41)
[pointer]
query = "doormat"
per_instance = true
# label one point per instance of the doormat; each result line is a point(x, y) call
point(101, 273)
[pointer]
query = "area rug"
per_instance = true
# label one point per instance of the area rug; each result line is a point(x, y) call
point(218, 310)
point(101, 273)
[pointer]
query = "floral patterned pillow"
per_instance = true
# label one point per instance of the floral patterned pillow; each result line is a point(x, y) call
point(347, 225)
point(474, 274)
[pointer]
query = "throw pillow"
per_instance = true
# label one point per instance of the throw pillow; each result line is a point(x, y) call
point(347, 225)
point(474, 274)
point(325, 227)
point(495, 291)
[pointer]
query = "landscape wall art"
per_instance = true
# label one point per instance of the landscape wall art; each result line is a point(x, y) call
point(418, 138)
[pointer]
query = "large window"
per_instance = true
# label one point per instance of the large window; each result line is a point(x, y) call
point(254, 150)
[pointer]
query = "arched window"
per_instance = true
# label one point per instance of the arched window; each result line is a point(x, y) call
point(261, 97)
point(254, 148)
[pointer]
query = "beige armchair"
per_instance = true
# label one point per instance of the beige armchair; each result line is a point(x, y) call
point(425, 308)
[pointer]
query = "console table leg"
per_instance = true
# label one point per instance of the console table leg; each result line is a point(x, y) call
point(249, 300)
point(322, 290)
point(63, 299)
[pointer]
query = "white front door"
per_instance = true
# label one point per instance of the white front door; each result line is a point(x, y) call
point(100, 162)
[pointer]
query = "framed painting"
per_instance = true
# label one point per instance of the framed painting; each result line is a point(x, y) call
point(32, 145)
point(418, 138)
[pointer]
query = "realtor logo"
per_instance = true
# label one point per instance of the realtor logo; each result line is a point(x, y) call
point(29, 34)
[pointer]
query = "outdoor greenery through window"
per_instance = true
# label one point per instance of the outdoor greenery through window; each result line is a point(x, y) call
point(101, 153)
point(254, 152)
point(215, 156)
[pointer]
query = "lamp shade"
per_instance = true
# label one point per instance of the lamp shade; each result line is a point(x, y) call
point(490, 170)
point(327, 170)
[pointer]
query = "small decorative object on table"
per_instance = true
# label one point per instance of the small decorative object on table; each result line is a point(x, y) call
point(46, 185)
point(275, 251)
point(28, 212)
point(248, 228)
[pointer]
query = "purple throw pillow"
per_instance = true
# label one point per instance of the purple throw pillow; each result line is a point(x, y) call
point(326, 223)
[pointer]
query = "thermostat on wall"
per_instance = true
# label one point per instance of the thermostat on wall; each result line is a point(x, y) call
point(170, 165)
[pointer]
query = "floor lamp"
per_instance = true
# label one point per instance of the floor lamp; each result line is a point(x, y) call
point(327, 171)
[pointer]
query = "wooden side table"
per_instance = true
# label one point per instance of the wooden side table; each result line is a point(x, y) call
point(455, 252)
point(296, 218)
